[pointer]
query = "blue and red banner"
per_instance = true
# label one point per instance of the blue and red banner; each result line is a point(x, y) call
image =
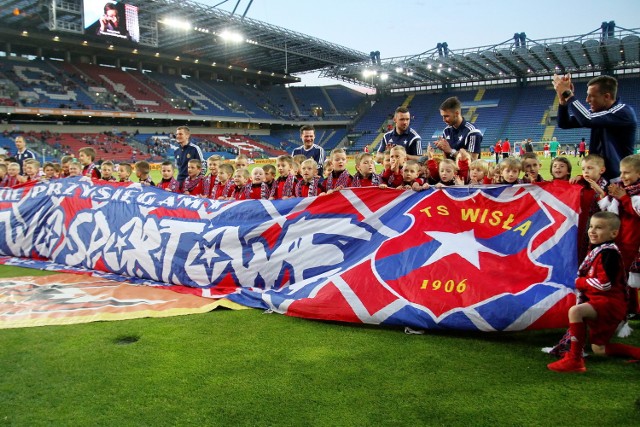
point(483, 258)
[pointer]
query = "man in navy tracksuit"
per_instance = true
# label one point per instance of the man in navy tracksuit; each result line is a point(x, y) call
point(186, 152)
point(613, 124)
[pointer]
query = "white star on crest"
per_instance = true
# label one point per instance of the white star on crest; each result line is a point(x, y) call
point(463, 244)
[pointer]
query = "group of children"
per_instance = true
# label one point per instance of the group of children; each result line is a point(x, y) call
point(609, 240)
point(83, 165)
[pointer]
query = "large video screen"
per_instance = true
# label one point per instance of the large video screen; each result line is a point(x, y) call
point(111, 20)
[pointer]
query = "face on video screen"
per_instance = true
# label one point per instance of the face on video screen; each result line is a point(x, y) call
point(111, 20)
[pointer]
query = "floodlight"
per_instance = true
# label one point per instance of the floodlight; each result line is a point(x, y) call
point(176, 23)
point(231, 36)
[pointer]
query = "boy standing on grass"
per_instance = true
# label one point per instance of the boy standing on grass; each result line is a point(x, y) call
point(31, 169)
point(168, 182)
point(309, 185)
point(602, 284)
point(269, 176)
point(531, 166)
point(143, 169)
point(222, 189)
point(193, 185)
point(284, 186)
point(259, 189)
point(624, 200)
point(392, 175)
point(124, 172)
point(106, 170)
point(213, 163)
point(242, 188)
point(86, 156)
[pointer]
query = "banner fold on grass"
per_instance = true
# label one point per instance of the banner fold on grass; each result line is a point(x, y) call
point(485, 258)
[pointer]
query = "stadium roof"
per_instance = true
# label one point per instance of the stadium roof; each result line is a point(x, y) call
point(198, 35)
point(194, 31)
point(506, 60)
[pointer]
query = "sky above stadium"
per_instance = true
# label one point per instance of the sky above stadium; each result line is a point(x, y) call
point(410, 27)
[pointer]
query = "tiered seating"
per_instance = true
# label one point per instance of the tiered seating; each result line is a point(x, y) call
point(250, 105)
point(309, 97)
point(41, 84)
point(375, 120)
point(111, 148)
point(232, 144)
point(347, 101)
point(130, 90)
point(278, 102)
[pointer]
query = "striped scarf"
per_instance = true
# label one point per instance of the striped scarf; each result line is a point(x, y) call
point(287, 190)
point(588, 260)
point(225, 190)
point(242, 192)
point(12, 181)
point(313, 187)
point(341, 181)
point(89, 169)
point(172, 185)
point(191, 183)
point(632, 189)
point(147, 181)
point(357, 178)
point(209, 182)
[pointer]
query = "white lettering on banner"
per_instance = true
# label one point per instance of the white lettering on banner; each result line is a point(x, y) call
point(321, 250)
point(81, 252)
point(130, 249)
point(19, 232)
point(49, 234)
point(174, 229)
point(10, 195)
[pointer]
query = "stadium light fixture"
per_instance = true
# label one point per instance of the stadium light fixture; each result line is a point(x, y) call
point(176, 23)
point(384, 76)
point(25, 33)
point(231, 36)
point(399, 69)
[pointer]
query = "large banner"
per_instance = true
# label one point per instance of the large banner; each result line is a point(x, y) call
point(65, 299)
point(485, 258)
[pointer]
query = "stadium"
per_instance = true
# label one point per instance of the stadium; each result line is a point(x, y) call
point(70, 78)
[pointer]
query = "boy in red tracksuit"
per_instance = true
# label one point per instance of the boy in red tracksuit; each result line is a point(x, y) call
point(242, 188)
point(309, 184)
point(392, 176)
point(87, 156)
point(284, 186)
point(168, 181)
point(339, 177)
point(365, 175)
point(193, 184)
point(213, 163)
point(602, 284)
point(223, 187)
point(259, 188)
point(624, 200)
